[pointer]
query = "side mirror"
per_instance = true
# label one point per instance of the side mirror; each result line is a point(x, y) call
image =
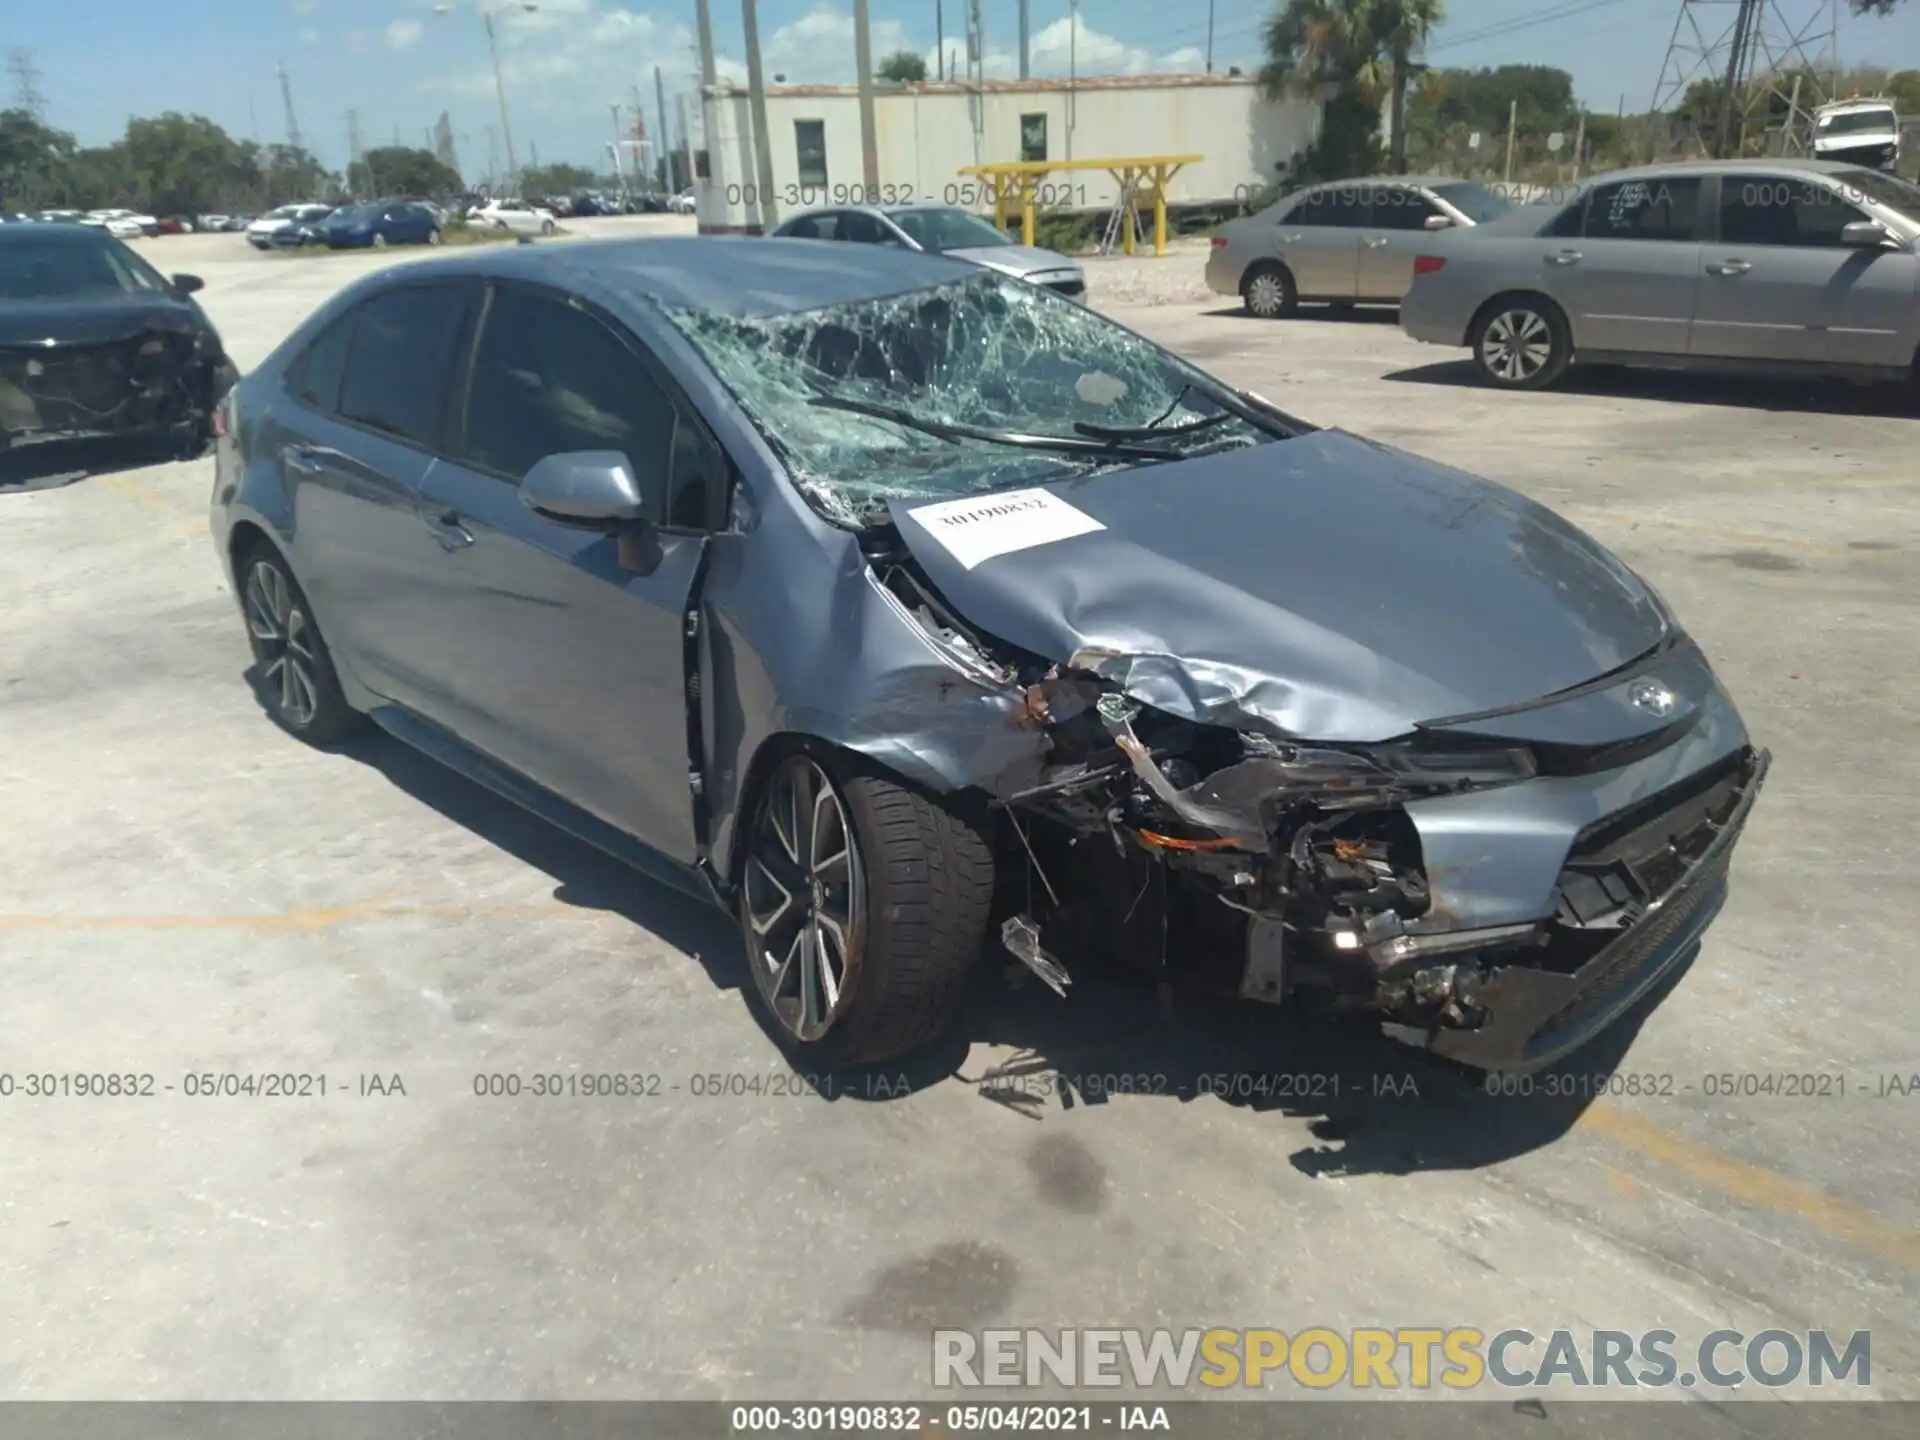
point(188, 284)
point(1866, 235)
point(593, 489)
point(1439, 222)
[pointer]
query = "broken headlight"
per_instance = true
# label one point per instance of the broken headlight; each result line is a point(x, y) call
point(1393, 768)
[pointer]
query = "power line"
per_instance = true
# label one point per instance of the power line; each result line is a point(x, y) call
point(27, 94)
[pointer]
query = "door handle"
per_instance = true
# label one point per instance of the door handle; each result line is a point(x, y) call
point(1290, 238)
point(447, 528)
point(1374, 242)
point(300, 458)
point(1564, 257)
point(1730, 267)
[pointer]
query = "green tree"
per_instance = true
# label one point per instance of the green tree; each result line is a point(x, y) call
point(902, 66)
point(1355, 54)
point(181, 164)
point(401, 170)
point(33, 160)
point(556, 179)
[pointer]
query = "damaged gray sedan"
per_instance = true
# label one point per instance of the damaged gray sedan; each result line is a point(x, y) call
point(906, 609)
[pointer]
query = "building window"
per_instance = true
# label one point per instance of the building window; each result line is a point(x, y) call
point(1033, 137)
point(810, 142)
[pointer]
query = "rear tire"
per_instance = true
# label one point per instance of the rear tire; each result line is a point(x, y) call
point(881, 889)
point(1268, 291)
point(299, 686)
point(1521, 343)
point(379, 241)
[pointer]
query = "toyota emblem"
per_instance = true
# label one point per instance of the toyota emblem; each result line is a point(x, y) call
point(1654, 698)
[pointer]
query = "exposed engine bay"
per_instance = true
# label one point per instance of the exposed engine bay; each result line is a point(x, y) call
point(1274, 869)
point(152, 383)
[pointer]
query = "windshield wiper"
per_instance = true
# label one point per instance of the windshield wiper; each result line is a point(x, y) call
point(1154, 431)
point(955, 432)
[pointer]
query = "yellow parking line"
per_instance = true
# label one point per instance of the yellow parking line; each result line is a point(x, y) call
point(1755, 1186)
point(299, 921)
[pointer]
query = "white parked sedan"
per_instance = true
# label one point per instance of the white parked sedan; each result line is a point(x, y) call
point(515, 215)
point(121, 224)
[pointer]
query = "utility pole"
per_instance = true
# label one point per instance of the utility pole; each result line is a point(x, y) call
point(757, 103)
point(1073, 70)
point(976, 59)
point(863, 71)
point(663, 147)
point(493, 156)
point(1743, 24)
point(1513, 122)
point(1209, 37)
point(1026, 47)
point(939, 39)
point(286, 99)
point(1579, 143)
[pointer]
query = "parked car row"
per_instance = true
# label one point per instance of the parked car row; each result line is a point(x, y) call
point(1780, 265)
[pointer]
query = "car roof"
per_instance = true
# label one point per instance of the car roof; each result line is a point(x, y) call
point(57, 229)
point(739, 276)
point(1761, 165)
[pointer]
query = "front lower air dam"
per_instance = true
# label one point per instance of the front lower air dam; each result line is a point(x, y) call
point(1633, 906)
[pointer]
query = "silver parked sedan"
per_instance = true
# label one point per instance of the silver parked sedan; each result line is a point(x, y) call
point(1350, 243)
point(758, 565)
point(1793, 266)
point(940, 230)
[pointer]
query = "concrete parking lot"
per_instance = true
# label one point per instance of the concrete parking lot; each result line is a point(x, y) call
point(188, 892)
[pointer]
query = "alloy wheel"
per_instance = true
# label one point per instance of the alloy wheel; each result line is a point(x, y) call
point(1518, 345)
point(1266, 295)
point(380, 241)
point(282, 643)
point(804, 900)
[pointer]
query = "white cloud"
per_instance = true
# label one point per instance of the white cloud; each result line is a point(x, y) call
point(402, 33)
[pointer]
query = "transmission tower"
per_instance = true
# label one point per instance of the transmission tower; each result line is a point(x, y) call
point(1768, 58)
point(27, 94)
point(286, 99)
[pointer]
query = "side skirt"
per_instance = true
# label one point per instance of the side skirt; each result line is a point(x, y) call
point(435, 743)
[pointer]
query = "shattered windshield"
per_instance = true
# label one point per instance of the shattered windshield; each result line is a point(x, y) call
point(990, 384)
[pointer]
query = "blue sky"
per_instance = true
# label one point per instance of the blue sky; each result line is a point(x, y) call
point(399, 63)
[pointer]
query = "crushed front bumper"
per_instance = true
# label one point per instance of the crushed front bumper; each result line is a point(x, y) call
point(1540, 1011)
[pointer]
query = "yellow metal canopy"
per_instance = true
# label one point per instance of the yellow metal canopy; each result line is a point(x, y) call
point(1016, 184)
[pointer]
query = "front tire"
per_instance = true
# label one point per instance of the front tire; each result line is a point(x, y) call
point(379, 241)
point(863, 905)
point(299, 685)
point(433, 237)
point(1520, 343)
point(1268, 291)
point(547, 227)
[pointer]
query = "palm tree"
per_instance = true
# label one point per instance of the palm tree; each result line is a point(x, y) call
point(1365, 47)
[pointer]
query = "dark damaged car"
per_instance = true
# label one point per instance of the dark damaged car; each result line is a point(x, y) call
point(908, 610)
point(94, 342)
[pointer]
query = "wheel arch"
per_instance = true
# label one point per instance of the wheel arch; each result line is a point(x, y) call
point(1521, 292)
point(890, 755)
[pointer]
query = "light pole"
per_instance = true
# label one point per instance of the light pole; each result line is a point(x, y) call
point(487, 17)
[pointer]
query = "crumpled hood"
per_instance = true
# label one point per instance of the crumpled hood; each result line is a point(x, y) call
point(1324, 587)
point(59, 323)
point(1014, 259)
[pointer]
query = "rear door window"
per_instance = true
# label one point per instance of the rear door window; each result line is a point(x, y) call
point(1657, 208)
point(401, 364)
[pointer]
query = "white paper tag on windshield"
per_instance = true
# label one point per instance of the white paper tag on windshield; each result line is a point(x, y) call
point(989, 525)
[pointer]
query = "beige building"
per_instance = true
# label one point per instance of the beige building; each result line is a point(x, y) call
point(927, 133)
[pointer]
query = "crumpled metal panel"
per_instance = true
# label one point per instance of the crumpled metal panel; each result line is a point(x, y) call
point(1324, 588)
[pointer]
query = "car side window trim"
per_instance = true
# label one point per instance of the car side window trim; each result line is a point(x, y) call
point(685, 412)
